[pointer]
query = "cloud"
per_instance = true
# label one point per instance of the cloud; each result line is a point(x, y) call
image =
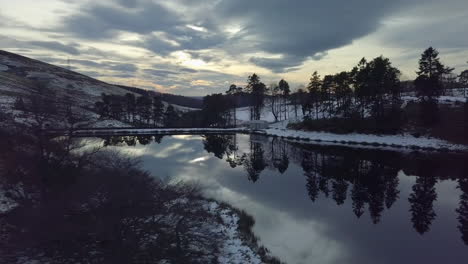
point(123, 67)
point(277, 65)
point(160, 73)
point(303, 29)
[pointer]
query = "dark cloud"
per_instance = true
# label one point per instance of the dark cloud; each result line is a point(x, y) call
point(302, 29)
point(56, 46)
point(188, 70)
point(160, 73)
point(7, 42)
point(128, 3)
point(124, 67)
point(277, 65)
point(102, 20)
point(294, 32)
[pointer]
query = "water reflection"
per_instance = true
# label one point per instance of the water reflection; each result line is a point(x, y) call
point(359, 182)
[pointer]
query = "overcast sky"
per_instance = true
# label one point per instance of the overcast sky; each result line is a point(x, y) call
point(196, 47)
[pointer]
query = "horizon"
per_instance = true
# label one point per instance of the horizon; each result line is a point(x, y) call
point(201, 47)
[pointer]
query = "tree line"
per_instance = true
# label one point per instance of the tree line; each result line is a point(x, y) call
point(144, 110)
point(368, 178)
point(365, 99)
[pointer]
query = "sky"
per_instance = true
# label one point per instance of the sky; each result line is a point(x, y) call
point(199, 47)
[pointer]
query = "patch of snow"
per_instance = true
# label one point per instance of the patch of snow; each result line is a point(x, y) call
point(6, 204)
point(233, 250)
point(109, 123)
point(406, 141)
point(442, 99)
point(40, 75)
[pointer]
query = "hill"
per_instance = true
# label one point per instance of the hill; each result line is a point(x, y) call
point(19, 76)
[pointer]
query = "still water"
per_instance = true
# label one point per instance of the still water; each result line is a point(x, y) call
point(324, 204)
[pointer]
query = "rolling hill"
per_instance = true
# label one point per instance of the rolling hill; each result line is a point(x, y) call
point(19, 76)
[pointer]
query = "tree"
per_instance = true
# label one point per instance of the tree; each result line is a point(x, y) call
point(428, 83)
point(257, 90)
point(158, 110)
point(463, 80)
point(130, 106)
point(326, 95)
point(422, 203)
point(217, 110)
point(462, 210)
point(232, 90)
point(285, 91)
point(143, 108)
point(342, 92)
point(274, 101)
point(314, 87)
point(170, 116)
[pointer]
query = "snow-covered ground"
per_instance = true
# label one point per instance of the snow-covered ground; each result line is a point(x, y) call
point(6, 204)
point(405, 141)
point(233, 250)
point(442, 99)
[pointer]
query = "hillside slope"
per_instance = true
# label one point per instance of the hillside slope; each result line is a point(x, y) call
point(19, 76)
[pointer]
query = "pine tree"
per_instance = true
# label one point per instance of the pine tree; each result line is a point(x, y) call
point(314, 87)
point(158, 110)
point(285, 91)
point(428, 83)
point(257, 90)
point(170, 116)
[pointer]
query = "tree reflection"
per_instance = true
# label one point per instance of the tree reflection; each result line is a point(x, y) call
point(462, 210)
point(131, 141)
point(254, 163)
point(368, 178)
point(421, 201)
point(219, 145)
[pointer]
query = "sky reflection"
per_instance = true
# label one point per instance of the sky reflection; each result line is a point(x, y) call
point(299, 230)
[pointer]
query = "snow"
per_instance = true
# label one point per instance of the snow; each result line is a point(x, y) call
point(442, 99)
point(109, 123)
point(233, 250)
point(406, 141)
point(6, 204)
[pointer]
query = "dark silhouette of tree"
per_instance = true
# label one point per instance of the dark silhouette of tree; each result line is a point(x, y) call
point(218, 110)
point(463, 79)
point(326, 95)
point(284, 89)
point(462, 209)
point(339, 190)
point(130, 140)
point(254, 163)
point(429, 85)
point(422, 202)
point(144, 139)
point(391, 189)
point(143, 108)
point(359, 196)
point(275, 101)
point(158, 138)
point(219, 145)
point(312, 185)
point(314, 88)
point(170, 116)
point(130, 106)
point(157, 111)
point(257, 90)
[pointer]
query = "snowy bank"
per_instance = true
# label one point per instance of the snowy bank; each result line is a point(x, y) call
point(398, 141)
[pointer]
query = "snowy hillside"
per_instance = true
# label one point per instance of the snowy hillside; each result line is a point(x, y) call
point(19, 75)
